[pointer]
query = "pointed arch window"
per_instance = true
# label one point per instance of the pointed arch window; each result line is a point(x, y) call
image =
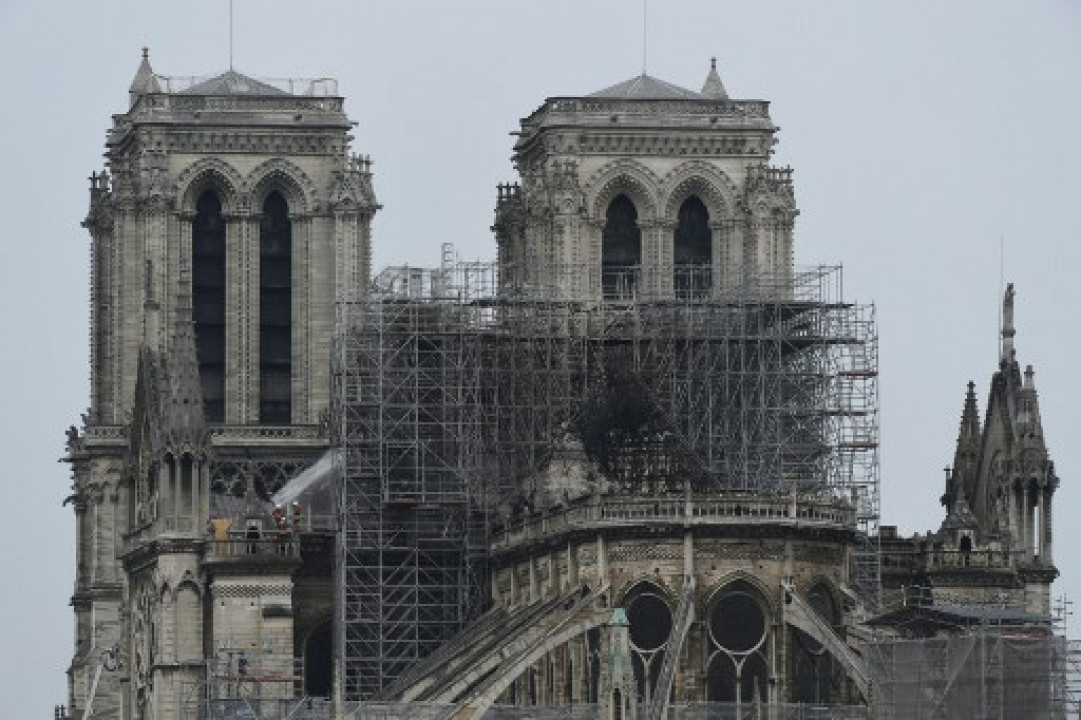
point(621, 250)
point(275, 312)
point(208, 299)
point(692, 250)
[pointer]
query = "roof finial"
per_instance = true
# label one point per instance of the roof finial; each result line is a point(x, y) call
point(146, 53)
point(713, 63)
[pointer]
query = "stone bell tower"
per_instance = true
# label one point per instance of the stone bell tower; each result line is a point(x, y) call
point(230, 217)
point(646, 191)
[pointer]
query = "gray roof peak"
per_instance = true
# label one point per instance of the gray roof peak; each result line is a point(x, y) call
point(231, 82)
point(713, 86)
point(647, 87)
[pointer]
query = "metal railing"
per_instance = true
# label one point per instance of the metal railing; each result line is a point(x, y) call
point(307, 87)
point(237, 545)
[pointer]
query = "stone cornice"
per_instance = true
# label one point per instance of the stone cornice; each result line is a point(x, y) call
point(197, 136)
point(258, 565)
point(84, 598)
point(274, 436)
point(139, 556)
point(1038, 573)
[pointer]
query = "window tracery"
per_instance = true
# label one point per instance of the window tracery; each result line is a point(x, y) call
point(738, 633)
point(275, 312)
point(621, 250)
point(692, 250)
point(208, 301)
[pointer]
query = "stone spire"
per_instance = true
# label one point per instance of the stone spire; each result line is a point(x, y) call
point(145, 80)
point(962, 480)
point(185, 423)
point(1029, 425)
point(713, 87)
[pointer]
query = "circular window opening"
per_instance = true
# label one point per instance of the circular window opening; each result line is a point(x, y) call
point(650, 621)
point(738, 624)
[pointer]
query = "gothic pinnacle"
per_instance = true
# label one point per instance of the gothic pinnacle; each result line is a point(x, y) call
point(713, 87)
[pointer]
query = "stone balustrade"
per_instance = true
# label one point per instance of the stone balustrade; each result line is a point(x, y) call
point(611, 512)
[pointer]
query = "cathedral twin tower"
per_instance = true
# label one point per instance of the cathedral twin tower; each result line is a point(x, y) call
point(229, 221)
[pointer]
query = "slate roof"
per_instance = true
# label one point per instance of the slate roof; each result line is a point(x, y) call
point(232, 83)
point(647, 87)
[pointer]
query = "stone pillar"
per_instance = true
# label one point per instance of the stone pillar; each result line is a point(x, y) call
point(1038, 523)
point(1026, 522)
point(242, 318)
point(578, 668)
point(534, 581)
point(572, 566)
point(1012, 501)
point(749, 247)
point(664, 234)
point(306, 264)
point(592, 232)
point(1046, 554)
point(602, 560)
point(688, 556)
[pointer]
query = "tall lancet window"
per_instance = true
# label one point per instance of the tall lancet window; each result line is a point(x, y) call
point(208, 300)
point(692, 250)
point(621, 250)
point(275, 312)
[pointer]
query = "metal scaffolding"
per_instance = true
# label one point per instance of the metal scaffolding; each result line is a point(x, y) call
point(993, 673)
point(454, 392)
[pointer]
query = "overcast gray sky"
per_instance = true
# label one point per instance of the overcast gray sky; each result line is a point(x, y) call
point(923, 133)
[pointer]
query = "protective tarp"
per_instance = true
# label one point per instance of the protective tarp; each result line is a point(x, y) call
point(998, 676)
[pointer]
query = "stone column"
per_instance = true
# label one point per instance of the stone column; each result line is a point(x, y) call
point(307, 262)
point(572, 566)
point(750, 247)
point(688, 556)
point(1038, 523)
point(121, 316)
point(592, 230)
point(1046, 554)
point(602, 560)
point(1012, 502)
point(663, 286)
point(242, 318)
point(577, 669)
point(1026, 522)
